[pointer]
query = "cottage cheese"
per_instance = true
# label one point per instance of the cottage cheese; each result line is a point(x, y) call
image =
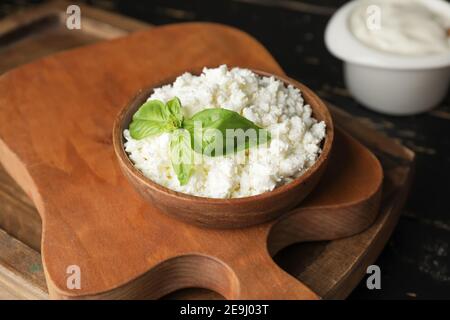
point(295, 135)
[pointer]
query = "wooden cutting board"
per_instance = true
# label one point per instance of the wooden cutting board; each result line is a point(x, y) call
point(59, 249)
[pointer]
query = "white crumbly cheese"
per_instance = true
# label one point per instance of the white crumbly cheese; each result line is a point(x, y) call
point(295, 135)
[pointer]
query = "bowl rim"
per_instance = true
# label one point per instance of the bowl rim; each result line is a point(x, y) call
point(143, 94)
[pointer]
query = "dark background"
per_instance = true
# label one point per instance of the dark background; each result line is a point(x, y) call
point(416, 261)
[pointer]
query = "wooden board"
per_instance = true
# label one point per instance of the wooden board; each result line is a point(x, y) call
point(93, 219)
point(343, 271)
point(30, 35)
point(21, 274)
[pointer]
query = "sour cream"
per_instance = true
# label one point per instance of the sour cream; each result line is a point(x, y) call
point(406, 27)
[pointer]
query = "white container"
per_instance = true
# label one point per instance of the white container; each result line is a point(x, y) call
point(386, 82)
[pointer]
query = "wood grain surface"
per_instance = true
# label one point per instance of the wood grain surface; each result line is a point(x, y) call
point(29, 35)
point(21, 275)
point(43, 31)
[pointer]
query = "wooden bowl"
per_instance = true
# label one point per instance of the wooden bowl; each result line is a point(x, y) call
point(225, 213)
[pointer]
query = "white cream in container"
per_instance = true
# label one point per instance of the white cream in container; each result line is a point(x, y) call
point(400, 66)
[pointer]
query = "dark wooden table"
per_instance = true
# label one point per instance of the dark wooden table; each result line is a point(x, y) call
point(416, 262)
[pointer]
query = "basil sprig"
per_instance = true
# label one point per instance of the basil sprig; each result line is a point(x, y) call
point(211, 132)
point(181, 155)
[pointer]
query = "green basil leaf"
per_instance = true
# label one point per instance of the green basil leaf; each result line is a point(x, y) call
point(174, 107)
point(220, 131)
point(140, 129)
point(181, 155)
point(153, 118)
point(152, 110)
